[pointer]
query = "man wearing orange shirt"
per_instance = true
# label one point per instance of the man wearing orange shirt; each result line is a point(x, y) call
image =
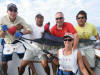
point(61, 27)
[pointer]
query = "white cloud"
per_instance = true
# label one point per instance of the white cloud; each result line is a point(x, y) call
point(29, 8)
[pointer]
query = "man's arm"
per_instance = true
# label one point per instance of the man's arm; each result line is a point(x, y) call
point(2, 34)
point(95, 33)
point(56, 60)
point(26, 32)
point(20, 34)
point(97, 37)
point(76, 39)
point(26, 27)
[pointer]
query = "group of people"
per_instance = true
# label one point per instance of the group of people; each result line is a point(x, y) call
point(69, 60)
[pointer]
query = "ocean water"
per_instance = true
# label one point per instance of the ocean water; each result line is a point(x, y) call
point(98, 28)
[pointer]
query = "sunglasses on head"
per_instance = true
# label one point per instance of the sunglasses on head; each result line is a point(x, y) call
point(68, 40)
point(59, 18)
point(81, 17)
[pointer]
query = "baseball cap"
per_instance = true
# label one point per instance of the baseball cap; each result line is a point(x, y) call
point(12, 7)
point(69, 35)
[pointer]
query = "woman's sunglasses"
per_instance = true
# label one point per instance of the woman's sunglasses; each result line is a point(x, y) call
point(68, 40)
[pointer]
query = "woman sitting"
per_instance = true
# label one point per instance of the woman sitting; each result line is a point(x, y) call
point(69, 60)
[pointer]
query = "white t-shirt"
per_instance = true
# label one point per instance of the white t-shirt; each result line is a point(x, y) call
point(36, 32)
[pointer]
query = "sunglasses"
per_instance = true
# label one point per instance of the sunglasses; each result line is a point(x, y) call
point(59, 18)
point(13, 10)
point(68, 40)
point(81, 17)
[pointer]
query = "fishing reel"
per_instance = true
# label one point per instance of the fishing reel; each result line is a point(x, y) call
point(51, 57)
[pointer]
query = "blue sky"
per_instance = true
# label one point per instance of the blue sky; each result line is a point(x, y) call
point(29, 8)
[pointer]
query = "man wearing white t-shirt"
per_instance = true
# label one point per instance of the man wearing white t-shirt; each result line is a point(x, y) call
point(37, 33)
point(38, 29)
